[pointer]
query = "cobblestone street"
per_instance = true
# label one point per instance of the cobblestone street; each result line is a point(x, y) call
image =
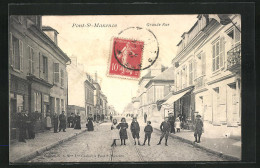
point(96, 147)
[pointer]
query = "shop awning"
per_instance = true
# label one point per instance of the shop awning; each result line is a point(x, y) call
point(175, 97)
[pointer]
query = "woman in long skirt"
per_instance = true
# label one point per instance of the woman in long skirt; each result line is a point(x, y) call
point(123, 133)
point(90, 123)
point(114, 133)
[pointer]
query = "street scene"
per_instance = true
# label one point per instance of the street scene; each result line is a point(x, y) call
point(124, 88)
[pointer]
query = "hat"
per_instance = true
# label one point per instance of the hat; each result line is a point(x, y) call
point(134, 117)
point(198, 115)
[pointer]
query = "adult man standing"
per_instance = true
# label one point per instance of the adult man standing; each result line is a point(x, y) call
point(172, 121)
point(165, 129)
point(22, 118)
point(145, 117)
point(55, 122)
point(62, 119)
point(198, 128)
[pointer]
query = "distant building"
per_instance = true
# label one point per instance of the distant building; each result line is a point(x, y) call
point(37, 70)
point(89, 95)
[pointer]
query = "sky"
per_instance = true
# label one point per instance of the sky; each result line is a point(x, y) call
point(92, 45)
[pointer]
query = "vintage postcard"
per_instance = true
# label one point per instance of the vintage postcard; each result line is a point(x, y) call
point(124, 88)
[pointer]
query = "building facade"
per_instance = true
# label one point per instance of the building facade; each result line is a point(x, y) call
point(37, 71)
point(208, 68)
point(89, 95)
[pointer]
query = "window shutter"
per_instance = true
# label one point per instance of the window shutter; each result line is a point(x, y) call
point(195, 69)
point(40, 65)
point(222, 52)
point(32, 57)
point(21, 54)
point(213, 58)
point(203, 59)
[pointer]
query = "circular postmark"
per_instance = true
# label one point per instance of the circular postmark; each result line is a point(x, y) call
point(136, 48)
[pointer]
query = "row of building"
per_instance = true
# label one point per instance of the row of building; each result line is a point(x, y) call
point(38, 76)
point(205, 76)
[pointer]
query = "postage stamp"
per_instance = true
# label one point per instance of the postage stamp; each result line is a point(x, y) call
point(126, 57)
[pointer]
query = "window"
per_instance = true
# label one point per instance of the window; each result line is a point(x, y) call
point(16, 53)
point(184, 77)
point(62, 77)
point(20, 103)
point(37, 102)
point(56, 73)
point(190, 73)
point(45, 67)
point(31, 60)
point(218, 54)
point(159, 94)
point(234, 34)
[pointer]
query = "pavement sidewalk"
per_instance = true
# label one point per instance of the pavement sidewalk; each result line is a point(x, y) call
point(20, 151)
point(225, 147)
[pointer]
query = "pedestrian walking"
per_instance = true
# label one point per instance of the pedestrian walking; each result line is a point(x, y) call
point(48, 121)
point(70, 120)
point(198, 128)
point(90, 123)
point(111, 117)
point(165, 128)
point(98, 118)
point(31, 124)
point(178, 125)
point(77, 122)
point(115, 132)
point(145, 117)
point(172, 120)
point(22, 118)
point(55, 122)
point(135, 129)
point(148, 132)
point(62, 119)
point(123, 133)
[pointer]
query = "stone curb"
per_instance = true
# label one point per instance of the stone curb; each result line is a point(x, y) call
point(39, 151)
point(225, 156)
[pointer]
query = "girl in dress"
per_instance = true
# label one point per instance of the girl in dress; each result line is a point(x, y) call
point(123, 133)
point(115, 132)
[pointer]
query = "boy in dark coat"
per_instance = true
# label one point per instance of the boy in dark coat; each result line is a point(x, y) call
point(135, 129)
point(148, 131)
point(165, 128)
point(198, 128)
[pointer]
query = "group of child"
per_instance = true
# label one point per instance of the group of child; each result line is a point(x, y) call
point(165, 128)
point(135, 130)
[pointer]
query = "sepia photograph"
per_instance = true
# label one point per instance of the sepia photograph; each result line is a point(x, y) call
point(124, 88)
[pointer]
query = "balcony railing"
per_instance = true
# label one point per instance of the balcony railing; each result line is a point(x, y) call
point(234, 58)
point(199, 82)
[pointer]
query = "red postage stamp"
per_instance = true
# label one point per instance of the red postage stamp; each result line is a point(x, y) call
point(126, 58)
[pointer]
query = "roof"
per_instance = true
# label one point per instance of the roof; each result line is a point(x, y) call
point(165, 76)
point(146, 76)
point(90, 84)
point(49, 28)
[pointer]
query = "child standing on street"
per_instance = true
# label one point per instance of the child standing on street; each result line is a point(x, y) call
point(148, 131)
point(115, 132)
point(178, 125)
point(135, 129)
point(123, 133)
